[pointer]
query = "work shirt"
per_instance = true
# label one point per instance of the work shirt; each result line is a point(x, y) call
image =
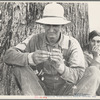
point(88, 60)
point(88, 56)
point(70, 48)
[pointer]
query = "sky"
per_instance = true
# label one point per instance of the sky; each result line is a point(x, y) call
point(94, 15)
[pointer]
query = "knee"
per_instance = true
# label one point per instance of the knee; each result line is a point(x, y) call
point(93, 69)
point(93, 72)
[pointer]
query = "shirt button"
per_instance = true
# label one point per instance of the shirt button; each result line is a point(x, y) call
point(56, 78)
point(42, 78)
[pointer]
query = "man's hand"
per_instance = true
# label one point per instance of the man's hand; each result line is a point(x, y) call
point(95, 63)
point(40, 56)
point(96, 56)
point(96, 51)
point(57, 58)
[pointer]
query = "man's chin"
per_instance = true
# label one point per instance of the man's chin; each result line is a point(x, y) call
point(52, 40)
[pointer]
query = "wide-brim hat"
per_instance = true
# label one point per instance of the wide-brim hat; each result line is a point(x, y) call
point(53, 14)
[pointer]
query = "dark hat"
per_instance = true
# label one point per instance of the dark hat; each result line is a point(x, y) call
point(93, 34)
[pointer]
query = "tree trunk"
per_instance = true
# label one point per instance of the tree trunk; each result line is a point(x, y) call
point(18, 22)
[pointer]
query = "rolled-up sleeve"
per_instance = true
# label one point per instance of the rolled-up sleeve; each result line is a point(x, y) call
point(19, 56)
point(15, 57)
point(76, 67)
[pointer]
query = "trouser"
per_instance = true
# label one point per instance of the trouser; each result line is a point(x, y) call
point(27, 81)
point(30, 84)
point(98, 91)
point(89, 83)
point(55, 85)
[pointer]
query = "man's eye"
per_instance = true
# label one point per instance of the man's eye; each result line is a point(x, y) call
point(47, 25)
point(93, 41)
point(98, 41)
point(55, 26)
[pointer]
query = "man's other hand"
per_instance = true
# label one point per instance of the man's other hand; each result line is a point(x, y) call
point(38, 57)
point(57, 58)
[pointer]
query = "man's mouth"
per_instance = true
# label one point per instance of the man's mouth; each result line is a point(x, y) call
point(51, 38)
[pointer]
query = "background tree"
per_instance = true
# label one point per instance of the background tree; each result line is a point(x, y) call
point(18, 22)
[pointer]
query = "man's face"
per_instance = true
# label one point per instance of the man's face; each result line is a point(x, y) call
point(95, 41)
point(52, 32)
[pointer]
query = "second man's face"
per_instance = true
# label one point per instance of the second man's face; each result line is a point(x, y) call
point(95, 41)
point(52, 32)
point(95, 46)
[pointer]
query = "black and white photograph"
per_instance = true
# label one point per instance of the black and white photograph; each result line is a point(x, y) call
point(50, 49)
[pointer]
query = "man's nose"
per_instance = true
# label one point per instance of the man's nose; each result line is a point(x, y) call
point(95, 43)
point(51, 29)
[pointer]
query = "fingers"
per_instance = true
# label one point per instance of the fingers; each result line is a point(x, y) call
point(57, 50)
point(57, 53)
point(46, 54)
point(96, 49)
point(56, 58)
point(41, 60)
point(43, 52)
point(41, 56)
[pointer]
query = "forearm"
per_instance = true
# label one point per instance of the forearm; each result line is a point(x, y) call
point(15, 57)
point(96, 63)
point(72, 74)
point(75, 64)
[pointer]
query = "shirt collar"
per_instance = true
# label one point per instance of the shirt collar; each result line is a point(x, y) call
point(64, 41)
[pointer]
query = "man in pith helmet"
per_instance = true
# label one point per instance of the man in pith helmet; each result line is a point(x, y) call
point(58, 57)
